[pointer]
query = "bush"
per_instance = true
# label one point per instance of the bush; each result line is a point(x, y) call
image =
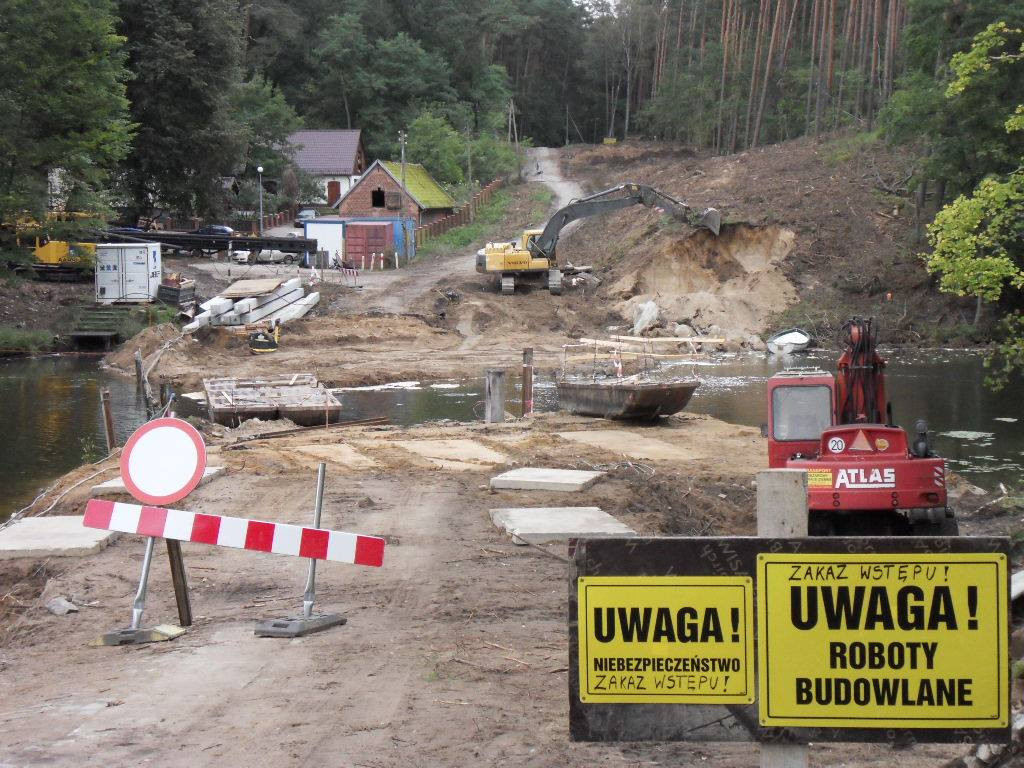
point(15, 341)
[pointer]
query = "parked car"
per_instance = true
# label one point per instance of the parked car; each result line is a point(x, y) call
point(304, 215)
point(214, 229)
point(264, 257)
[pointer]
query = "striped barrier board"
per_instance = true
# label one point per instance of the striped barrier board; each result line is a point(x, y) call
point(236, 532)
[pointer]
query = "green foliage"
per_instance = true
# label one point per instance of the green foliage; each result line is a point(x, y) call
point(964, 127)
point(21, 341)
point(384, 83)
point(449, 156)
point(1008, 359)
point(63, 113)
point(978, 240)
point(436, 145)
point(477, 231)
point(185, 60)
point(492, 158)
point(264, 121)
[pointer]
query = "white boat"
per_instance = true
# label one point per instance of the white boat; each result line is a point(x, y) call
point(789, 341)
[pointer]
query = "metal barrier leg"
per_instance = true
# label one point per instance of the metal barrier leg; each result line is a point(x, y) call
point(308, 622)
point(135, 634)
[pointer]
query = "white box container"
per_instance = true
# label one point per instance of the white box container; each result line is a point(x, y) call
point(329, 235)
point(127, 272)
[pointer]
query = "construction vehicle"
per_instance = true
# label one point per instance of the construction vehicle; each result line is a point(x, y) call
point(262, 342)
point(56, 259)
point(533, 255)
point(864, 476)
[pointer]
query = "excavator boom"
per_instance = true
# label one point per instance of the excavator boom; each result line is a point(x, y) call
point(535, 253)
point(622, 196)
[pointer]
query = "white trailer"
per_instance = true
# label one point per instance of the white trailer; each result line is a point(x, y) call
point(329, 235)
point(127, 272)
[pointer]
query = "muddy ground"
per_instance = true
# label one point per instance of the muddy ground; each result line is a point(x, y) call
point(455, 652)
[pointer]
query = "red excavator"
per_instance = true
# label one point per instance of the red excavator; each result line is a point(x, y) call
point(863, 477)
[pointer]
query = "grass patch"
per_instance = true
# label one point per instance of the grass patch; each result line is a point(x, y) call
point(845, 148)
point(462, 237)
point(17, 341)
point(482, 228)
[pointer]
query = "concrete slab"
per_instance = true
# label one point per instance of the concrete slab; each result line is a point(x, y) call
point(453, 454)
point(116, 486)
point(544, 479)
point(540, 525)
point(56, 536)
point(634, 445)
point(339, 453)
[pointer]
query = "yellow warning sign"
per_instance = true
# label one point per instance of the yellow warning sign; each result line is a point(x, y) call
point(819, 478)
point(666, 639)
point(869, 641)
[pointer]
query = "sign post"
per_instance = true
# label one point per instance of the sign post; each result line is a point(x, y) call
point(908, 640)
point(307, 622)
point(162, 462)
point(860, 639)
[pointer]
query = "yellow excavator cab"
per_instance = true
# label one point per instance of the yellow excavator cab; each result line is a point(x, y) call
point(60, 252)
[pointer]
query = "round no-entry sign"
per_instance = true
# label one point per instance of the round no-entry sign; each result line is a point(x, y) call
point(163, 461)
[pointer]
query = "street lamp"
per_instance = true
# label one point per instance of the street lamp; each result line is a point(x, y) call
point(259, 170)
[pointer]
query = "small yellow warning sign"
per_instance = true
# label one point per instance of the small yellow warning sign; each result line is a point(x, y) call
point(666, 639)
point(819, 478)
point(868, 641)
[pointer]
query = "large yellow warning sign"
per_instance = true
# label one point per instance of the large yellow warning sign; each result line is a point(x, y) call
point(868, 641)
point(667, 639)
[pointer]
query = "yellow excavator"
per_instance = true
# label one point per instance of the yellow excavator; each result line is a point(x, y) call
point(533, 255)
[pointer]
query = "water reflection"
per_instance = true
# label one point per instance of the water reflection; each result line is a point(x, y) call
point(50, 415)
point(944, 387)
point(49, 409)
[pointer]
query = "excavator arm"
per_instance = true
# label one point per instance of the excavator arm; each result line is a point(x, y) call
point(622, 196)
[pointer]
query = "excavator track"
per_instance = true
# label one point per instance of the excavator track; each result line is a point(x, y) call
point(508, 285)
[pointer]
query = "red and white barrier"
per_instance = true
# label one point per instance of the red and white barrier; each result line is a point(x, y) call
point(236, 532)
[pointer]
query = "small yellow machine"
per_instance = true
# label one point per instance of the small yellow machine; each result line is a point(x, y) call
point(262, 342)
point(534, 253)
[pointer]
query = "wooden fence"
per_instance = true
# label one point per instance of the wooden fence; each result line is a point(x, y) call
point(459, 218)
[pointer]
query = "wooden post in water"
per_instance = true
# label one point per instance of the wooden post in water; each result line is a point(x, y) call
point(494, 396)
point(527, 381)
point(108, 419)
point(782, 513)
point(140, 375)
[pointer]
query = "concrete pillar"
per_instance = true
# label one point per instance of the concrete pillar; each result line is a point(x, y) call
point(782, 513)
point(494, 396)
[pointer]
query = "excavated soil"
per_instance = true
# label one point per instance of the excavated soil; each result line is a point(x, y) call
point(852, 250)
point(733, 282)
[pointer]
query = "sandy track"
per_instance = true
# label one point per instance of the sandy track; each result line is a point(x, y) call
point(455, 652)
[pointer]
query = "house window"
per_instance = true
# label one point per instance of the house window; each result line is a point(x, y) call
point(377, 198)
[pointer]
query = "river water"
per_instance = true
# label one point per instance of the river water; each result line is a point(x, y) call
point(49, 410)
point(51, 419)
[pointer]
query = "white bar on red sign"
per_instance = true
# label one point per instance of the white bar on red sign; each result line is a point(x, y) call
point(236, 532)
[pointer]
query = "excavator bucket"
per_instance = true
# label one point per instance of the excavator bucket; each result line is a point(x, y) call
point(711, 219)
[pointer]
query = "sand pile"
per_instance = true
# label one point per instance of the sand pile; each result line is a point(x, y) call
point(731, 283)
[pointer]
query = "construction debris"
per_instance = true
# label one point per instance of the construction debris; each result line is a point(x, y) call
point(250, 301)
point(298, 397)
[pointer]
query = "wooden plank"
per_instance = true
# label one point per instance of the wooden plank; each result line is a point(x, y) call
point(244, 289)
point(671, 340)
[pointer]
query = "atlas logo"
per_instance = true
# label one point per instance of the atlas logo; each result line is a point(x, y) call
point(864, 478)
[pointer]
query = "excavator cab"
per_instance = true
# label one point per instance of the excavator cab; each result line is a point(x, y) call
point(801, 405)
